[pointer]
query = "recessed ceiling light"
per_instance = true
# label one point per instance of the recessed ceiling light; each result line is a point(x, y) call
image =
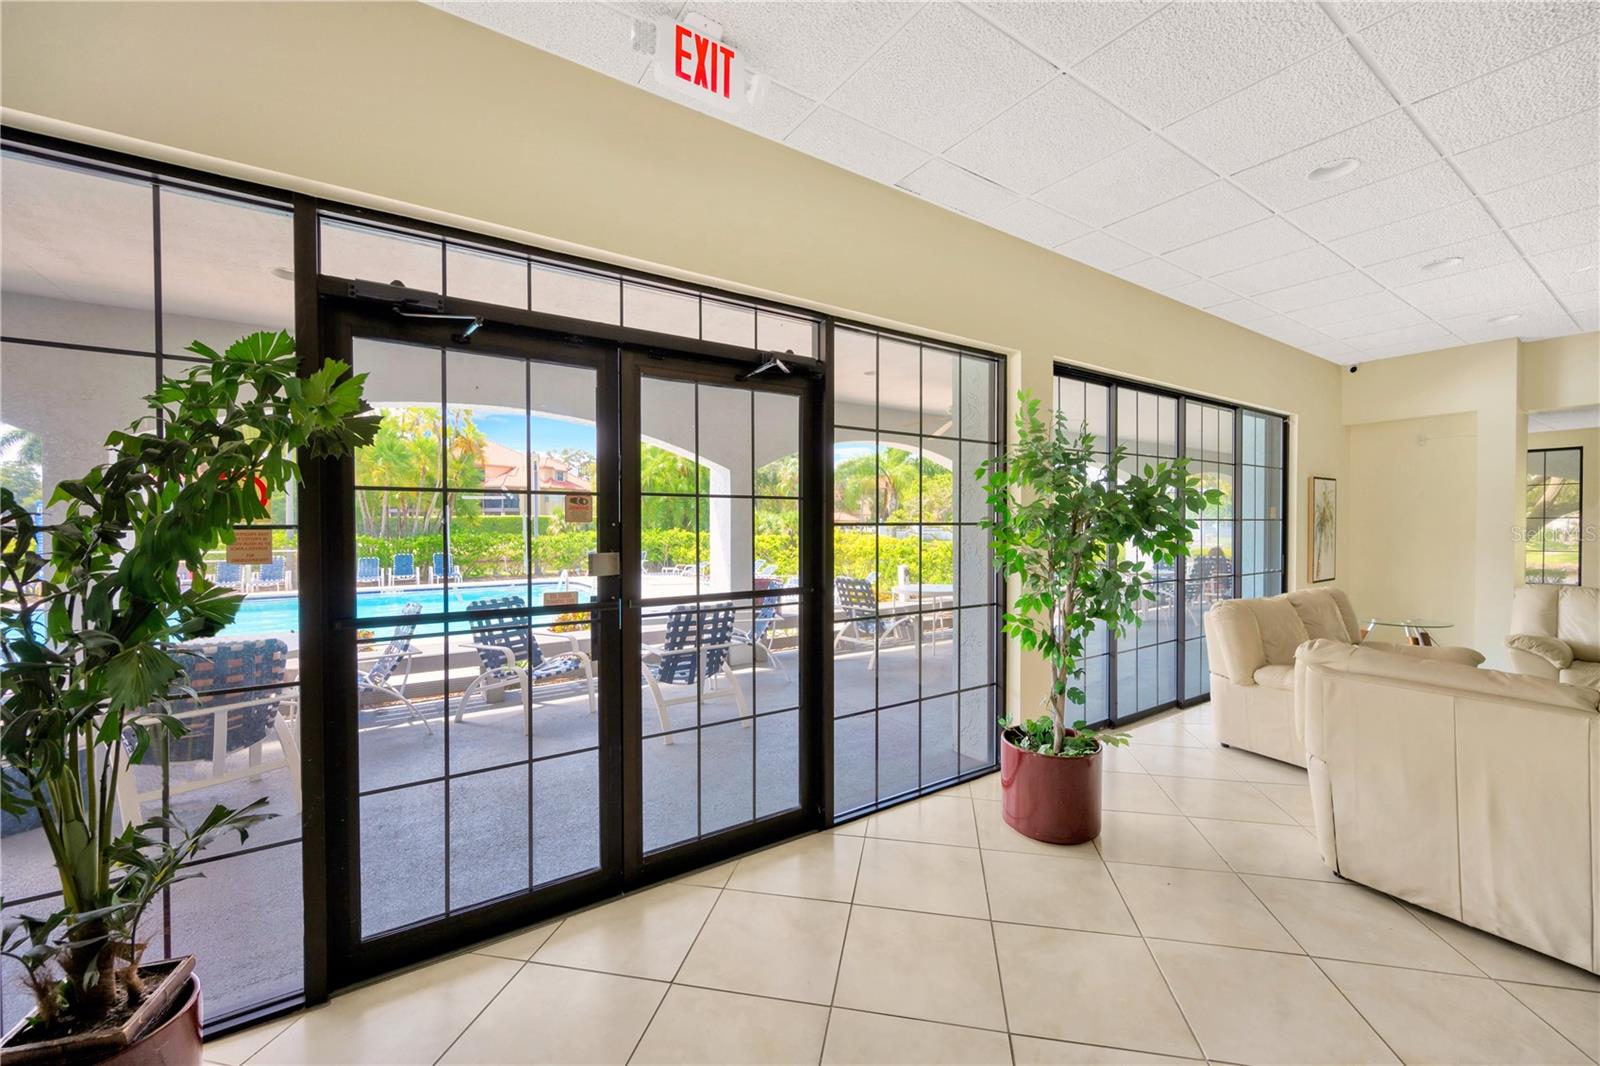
point(1588, 269)
point(1500, 320)
point(283, 273)
point(1334, 170)
point(1440, 264)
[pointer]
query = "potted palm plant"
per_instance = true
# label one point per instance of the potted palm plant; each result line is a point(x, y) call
point(91, 608)
point(1081, 534)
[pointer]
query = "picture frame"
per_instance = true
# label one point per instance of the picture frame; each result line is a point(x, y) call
point(1322, 530)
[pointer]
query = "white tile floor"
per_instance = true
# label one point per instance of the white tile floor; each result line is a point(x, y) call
point(1201, 925)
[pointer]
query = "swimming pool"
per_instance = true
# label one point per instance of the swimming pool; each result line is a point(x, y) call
point(264, 614)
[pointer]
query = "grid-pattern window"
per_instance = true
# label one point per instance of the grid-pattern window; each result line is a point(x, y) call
point(1237, 547)
point(108, 275)
point(1553, 534)
point(349, 248)
point(916, 627)
point(1260, 504)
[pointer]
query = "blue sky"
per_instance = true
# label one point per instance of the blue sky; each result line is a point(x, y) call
point(549, 434)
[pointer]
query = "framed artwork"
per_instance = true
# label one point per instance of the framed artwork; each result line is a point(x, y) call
point(1324, 528)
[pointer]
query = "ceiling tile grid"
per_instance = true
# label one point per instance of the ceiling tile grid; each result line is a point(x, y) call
point(1358, 179)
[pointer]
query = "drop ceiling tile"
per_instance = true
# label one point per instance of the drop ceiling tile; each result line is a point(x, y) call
point(1296, 268)
point(1580, 302)
point(1528, 307)
point(1216, 208)
point(1588, 321)
point(1542, 150)
point(1430, 47)
point(808, 47)
point(1554, 325)
point(1500, 277)
point(1202, 294)
point(1287, 330)
point(1156, 274)
point(1059, 129)
point(1574, 270)
point(1241, 312)
point(839, 139)
point(1316, 98)
point(952, 187)
point(1547, 197)
point(1458, 222)
point(1334, 351)
point(780, 112)
point(1188, 55)
point(1475, 253)
point(1427, 188)
point(1036, 223)
point(1321, 291)
point(1101, 250)
point(1329, 314)
point(1267, 239)
point(593, 35)
point(1355, 327)
point(1563, 231)
point(1549, 86)
point(1068, 32)
point(1388, 145)
point(945, 74)
point(1421, 338)
point(1526, 299)
point(1139, 177)
point(1358, 14)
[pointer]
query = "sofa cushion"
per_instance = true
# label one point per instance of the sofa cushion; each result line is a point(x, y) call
point(1579, 621)
point(1280, 626)
point(1319, 613)
point(1439, 653)
point(1453, 677)
point(1558, 653)
point(1278, 677)
point(1582, 672)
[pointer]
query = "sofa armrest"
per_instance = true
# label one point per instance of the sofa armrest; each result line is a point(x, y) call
point(1439, 653)
point(1556, 653)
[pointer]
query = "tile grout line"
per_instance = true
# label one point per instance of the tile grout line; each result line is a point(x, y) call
point(994, 941)
point(673, 980)
point(1548, 1023)
point(844, 941)
point(498, 992)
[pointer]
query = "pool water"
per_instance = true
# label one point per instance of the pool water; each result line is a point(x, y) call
point(264, 614)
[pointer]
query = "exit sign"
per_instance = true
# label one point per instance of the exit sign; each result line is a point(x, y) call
point(691, 59)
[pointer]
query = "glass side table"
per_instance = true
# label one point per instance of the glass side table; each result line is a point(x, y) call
point(1417, 632)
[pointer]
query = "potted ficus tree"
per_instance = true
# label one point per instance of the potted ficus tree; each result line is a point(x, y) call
point(1083, 535)
point(91, 607)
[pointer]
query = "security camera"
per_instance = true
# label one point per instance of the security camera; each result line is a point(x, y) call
point(1354, 368)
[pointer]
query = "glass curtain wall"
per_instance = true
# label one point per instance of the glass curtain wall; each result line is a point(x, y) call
point(916, 626)
point(1238, 546)
point(107, 278)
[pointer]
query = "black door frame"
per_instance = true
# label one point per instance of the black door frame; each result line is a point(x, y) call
point(341, 957)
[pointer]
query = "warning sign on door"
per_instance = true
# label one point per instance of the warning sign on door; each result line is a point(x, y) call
point(580, 509)
point(251, 547)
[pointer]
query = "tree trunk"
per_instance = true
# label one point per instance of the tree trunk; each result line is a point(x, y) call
point(95, 1001)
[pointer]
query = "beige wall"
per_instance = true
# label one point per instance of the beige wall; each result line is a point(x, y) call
point(404, 106)
point(1589, 441)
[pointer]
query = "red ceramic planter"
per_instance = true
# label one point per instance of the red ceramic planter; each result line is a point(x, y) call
point(1048, 798)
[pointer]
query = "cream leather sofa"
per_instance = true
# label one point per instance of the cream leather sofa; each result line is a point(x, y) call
point(1251, 644)
point(1555, 633)
point(1473, 793)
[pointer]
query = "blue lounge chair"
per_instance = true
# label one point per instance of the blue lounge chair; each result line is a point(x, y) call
point(380, 680)
point(695, 648)
point(404, 569)
point(858, 605)
point(369, 571)
point(274, 573)
point(230, 575)
point(759, 636)
point(437, 573)
point(509, 655)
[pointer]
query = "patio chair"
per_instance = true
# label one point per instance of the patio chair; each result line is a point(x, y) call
point(689, 653)
point(231, 575)
point(437, 573)
point(403, 569)
point(858, 603)
point(509, 655)
point(369, 570)
point(397, 655)
point(236, 700)
point(759, 635)
point(274, 574)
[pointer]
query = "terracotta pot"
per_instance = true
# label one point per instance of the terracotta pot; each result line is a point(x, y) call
point(167, 1027)
point(1050, 798)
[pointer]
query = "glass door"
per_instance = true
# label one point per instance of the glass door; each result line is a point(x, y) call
point(473, 742)
point(717, 558)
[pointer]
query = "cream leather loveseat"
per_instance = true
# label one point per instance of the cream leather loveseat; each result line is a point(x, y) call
point(1555, 633)
point(1251, 644)
point(1473, 793)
